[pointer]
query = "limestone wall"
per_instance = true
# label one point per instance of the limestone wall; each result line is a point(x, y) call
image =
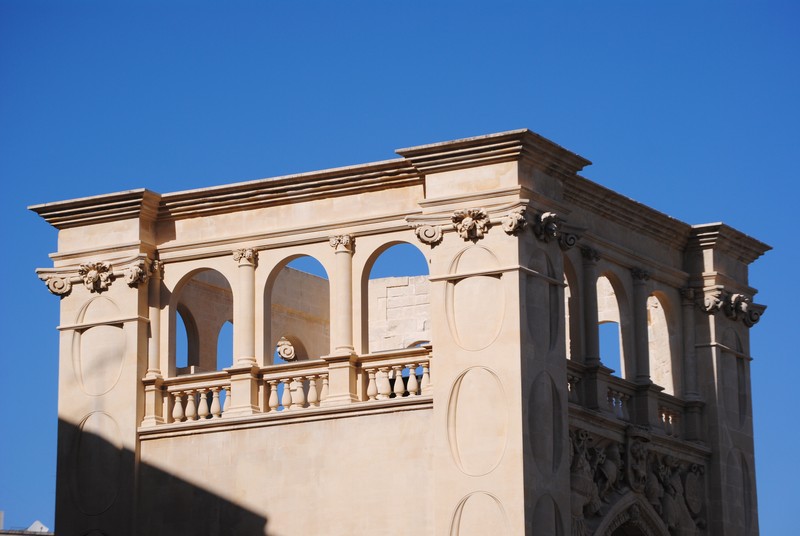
point(399, 312)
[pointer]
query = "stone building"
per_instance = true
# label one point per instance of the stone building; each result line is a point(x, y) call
point(476, 400)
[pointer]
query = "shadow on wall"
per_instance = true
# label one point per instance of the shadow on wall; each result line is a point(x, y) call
point(95, 491)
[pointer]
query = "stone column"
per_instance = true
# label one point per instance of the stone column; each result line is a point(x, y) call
point(594, 383)
point(153, 395)
point(691, 392)
point(244, 320)
point(244, 372)
point(341, 361)
point(646, 398)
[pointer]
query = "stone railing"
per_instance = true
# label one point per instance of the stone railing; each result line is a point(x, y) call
point(293, 386)
point(396, 374)
point(288, 389)
point(619, 395)
point(670, 412)
point(197, 397)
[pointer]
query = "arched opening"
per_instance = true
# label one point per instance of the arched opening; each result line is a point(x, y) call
point(395, 294)
point(665, 369)
point(225, 346)
point(298, 323)
point(203, 305)
point(612, 322)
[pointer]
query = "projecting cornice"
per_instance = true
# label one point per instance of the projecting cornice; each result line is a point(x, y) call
point(495, 148)
point(140, 203)
point(625, 211)
point(727, 240)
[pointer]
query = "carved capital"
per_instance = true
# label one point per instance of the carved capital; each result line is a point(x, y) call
point(590, 255)
point(514, 222)
point(689, 295)
point(245, 256)
point(639, 275)
point(137, 273)
point(96, 276)
point(472, 223)
point(343, 242)
point(547, 226)
point(157, 269)
point(429, 234)
point(713, 300)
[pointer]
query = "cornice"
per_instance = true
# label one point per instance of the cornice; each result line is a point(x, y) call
point(495, 148)
point(288, 189)
point(625, 211)
point(727, 240)
point(140, 203)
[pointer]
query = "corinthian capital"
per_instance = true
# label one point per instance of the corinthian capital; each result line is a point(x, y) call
point(343, 242)
point(245, 256)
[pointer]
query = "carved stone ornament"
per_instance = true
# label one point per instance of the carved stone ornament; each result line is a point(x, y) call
point(514, 222)
point(97, 276)
point(286, 350)
point(137, 273)
point(640, 275)
point(429, 234)
point(60, 286)
point(342, 242)
point(590, 255)
point(547, 226)
point(735, 306)
point(472, 223)
point(245, 256)
point(567, 240)
point(601, 478)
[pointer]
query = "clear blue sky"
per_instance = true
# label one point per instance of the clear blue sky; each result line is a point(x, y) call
point(689, 107)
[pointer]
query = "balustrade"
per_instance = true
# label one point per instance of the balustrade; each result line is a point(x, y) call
point(199, 403)
point(397, 380)
point(293, 392)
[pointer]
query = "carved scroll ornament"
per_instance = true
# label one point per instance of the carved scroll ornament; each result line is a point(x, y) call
point(286, 350)
point(735, 306)
point(98, 276)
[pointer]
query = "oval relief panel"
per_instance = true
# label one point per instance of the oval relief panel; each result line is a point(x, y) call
point(479, 514)
point(98, 353)
point(96, 459)
point(477, 421)
point(475, 305)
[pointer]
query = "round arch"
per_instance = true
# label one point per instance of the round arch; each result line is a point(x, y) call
point(613, 306)
point(666, 369)
point(631, 516)
point(364, 287)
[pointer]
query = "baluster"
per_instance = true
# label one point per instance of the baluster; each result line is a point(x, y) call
point(383, 383)
point(573, 389)
point(413, 384)
point(227, 403)
point(273, 395)
point(610, 397)
point(299, 394)
point(216, 409)
point(372, 387)
point(624, 401)
point(313, 396)
point(177, 410)
point(675, 422)
point(324, 393)
point(669, 427)
point(286, 399)
point(399, 388)
point(426, 378)
point(191, 405)
point(202, 409)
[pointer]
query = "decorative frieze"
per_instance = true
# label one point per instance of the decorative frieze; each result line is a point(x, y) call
point(604, 472)
point(96, 276)
point(735, 306)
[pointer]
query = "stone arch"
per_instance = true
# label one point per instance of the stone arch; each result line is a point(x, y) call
point(631, 516)
point(204, 299)
point(572, 311)
point(666, 369)
point(613, 307)
point(411, 322)
point(297, 307)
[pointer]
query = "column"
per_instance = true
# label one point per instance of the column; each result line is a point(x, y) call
point(641, 342)
point(342, 359)
point(244, 315)
point(244, 372)
point(691, 393)
point(153, 395)
point(591, 338)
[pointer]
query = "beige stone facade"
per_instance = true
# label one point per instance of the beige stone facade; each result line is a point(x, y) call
point(471, 401)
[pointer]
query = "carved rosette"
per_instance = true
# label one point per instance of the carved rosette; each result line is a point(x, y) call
point(514, 222)
point(343, 242)
point(429, 234)
point(245, 256)
point(472, 223)
point(286, 350)
point(97, 276)
point(60, 286)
